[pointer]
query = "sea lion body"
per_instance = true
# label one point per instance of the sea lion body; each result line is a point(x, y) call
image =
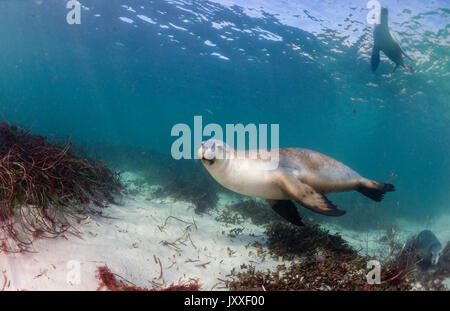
point(251, 176)
point(302, 175)
point(248, 178)
point(385, 41)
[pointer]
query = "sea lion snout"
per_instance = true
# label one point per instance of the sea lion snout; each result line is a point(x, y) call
point(204, 155)
point(213, 149)
point(435, 254)
point(207, 151)
point(384, 15)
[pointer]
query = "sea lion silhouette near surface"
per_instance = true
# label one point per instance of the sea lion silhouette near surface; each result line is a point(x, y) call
point(385, 41)
point(302, 175)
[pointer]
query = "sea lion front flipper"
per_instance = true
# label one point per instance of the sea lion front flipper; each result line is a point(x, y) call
point(375, 60)
point(287, 210)
point(308, 197)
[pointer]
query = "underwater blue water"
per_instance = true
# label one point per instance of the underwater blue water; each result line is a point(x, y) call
point(302, 64)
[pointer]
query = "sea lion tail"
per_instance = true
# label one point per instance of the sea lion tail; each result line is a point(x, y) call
point(374, 190)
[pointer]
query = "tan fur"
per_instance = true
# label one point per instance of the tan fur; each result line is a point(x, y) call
point(311, 159)
point(329, 186)
point(321, 172)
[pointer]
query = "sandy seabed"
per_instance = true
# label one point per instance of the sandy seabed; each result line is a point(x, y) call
point(153, 243)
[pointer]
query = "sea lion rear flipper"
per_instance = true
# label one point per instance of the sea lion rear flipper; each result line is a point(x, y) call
point(375, 60)
point(374, 190)
point(308, 197)
point(287, 210)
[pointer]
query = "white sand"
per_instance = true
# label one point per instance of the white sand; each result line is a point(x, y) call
point(133, 242)
point(129, 245)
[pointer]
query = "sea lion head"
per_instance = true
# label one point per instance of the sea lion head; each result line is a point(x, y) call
point(384, 15)
point(429, 246)
point(435, 253)
point(213, 151)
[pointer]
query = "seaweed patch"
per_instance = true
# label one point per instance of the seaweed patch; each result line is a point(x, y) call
point(288, 241)
point(319, 261)
point(329, 272)
point(44, 185)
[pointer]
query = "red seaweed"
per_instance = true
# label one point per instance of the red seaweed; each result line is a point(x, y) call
point(109, 281)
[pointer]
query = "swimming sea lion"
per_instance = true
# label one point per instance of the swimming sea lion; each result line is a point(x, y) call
point(385, 41)
point(429, 247)
point(302, 175)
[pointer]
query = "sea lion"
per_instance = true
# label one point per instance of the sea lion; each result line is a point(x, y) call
point(428, 246)
point(385, 41)
point(302, 175)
